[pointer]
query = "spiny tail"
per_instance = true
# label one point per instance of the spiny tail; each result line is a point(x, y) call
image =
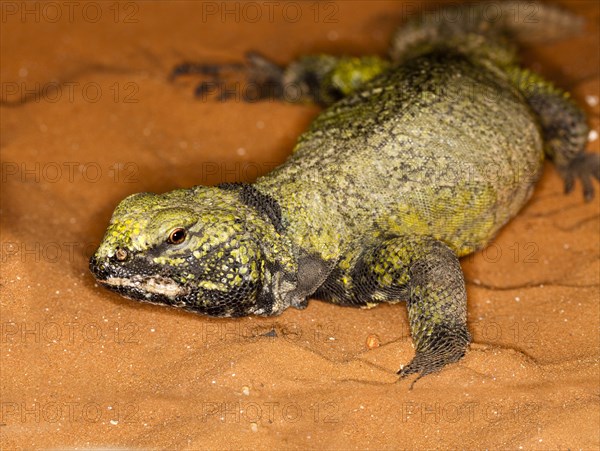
point(486, 29)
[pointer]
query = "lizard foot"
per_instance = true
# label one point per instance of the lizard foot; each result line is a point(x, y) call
point(262, 78)
point(583, 167)
point(445, 349)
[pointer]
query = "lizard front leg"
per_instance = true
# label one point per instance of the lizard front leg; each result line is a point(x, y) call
point(427, 274)
point(437, 309)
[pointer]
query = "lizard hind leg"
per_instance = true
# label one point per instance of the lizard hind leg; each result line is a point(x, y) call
point(564, 129)
point(583, 167)
point(319, 78)
point(260, 78)
point(565, 132)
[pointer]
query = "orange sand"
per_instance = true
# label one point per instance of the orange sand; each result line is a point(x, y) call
point(84, 368)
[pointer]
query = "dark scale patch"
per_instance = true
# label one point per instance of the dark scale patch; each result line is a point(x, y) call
point(367, 281)
point(235, 302)
point(314, 82)
point(364, 285)
point(265, 302)
point(333, 289)
point(136, 265)
point(264, 204)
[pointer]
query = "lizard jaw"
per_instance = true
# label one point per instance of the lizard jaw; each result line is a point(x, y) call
point(149, 285)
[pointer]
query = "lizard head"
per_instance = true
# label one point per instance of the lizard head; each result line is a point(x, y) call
point(196, 249)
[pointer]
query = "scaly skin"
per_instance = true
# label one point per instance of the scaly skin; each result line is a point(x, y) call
point(424, 158)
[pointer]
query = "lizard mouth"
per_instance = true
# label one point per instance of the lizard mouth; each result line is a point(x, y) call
point(149, 285)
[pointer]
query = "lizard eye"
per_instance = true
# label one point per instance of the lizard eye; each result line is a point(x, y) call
point(177, 236)
point(121, 254)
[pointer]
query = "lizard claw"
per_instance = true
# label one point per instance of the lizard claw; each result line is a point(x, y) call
point(448, 350)
point(584, 167)
point(426, 363)
point(422, 365)
point(262, 78)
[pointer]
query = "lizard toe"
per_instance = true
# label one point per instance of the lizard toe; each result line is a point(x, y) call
point(584, 167)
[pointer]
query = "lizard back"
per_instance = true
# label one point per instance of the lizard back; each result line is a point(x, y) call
point(440, 146)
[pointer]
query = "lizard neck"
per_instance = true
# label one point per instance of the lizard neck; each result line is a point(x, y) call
point(291, 272)
point(311, 218)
